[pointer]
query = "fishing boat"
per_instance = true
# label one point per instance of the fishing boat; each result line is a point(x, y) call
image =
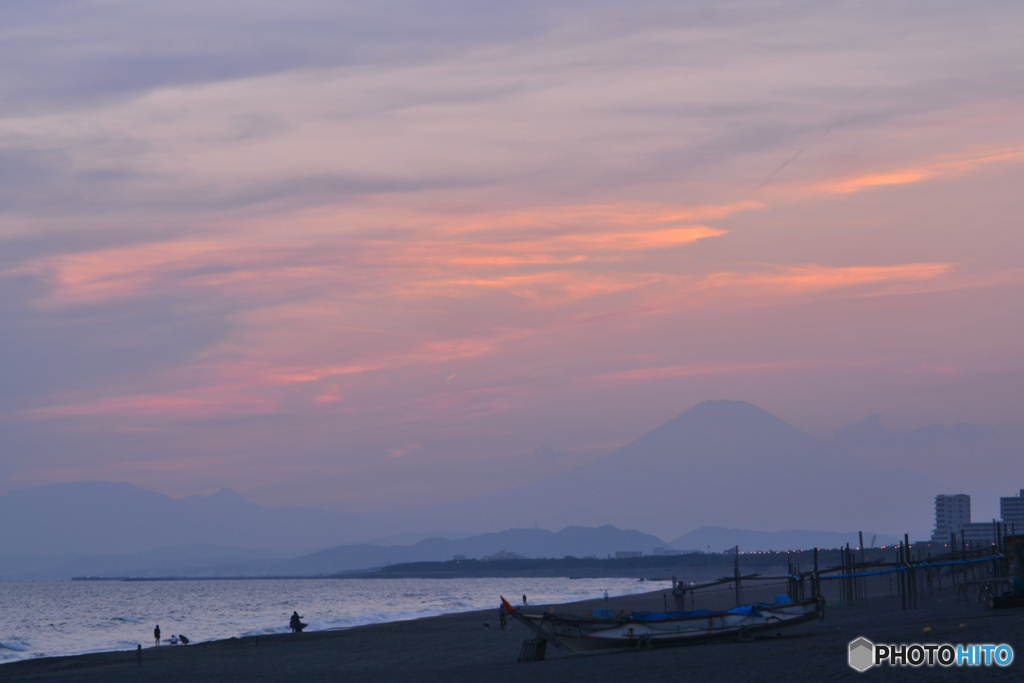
point(606, 632)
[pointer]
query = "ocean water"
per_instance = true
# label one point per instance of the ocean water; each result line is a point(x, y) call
point(47, 619)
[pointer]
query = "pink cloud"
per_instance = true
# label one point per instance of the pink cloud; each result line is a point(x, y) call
point(202, 403)
point(815, 278)
point(942, 168)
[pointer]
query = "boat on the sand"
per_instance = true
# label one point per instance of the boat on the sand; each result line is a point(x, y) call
point(607, 632)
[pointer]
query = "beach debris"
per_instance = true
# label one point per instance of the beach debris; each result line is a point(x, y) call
point(927, 629)
point(533, 650)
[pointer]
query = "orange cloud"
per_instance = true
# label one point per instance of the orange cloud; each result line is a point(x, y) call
point(811, 278)
point(653, 373)
point(203, 403)
point(141, 269)
point(262, 267)
point(952, 167)
point(109, 273)
point(637, 241)
point(593, 215)
point(547, 289)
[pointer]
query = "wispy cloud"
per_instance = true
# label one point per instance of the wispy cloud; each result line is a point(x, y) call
point(384, 218)
point(816, 278)
point(944, 168)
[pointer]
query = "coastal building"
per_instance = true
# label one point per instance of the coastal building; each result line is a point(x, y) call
point(953, 517)
point(623, 554)
point(952, 513)
point(979, 533)
point(1011, 509)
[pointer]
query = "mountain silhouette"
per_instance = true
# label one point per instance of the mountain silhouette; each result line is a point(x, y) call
point(721, 463)
point(99, 517)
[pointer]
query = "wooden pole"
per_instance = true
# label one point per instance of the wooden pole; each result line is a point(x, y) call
point(790, 583)
point(963, 552)
point(736, 572)
point(850, 587)
point(903, 576)
point(863, 582)
point(815, 580)
point(912, 578)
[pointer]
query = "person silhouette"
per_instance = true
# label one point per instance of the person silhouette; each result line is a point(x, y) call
point(156, 635)
point(295, 623)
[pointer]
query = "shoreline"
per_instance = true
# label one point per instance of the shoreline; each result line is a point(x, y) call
point(355, 609)
point(458, 647)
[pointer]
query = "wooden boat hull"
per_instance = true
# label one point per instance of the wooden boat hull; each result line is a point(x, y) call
point(583, 635)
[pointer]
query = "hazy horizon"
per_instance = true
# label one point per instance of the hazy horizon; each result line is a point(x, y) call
point(376, 257)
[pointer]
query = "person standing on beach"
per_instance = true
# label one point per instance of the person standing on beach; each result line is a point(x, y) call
point(295, 624)
point(156, 635)
point(524, 599)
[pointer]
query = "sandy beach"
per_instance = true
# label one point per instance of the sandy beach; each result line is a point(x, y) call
point(459, 648)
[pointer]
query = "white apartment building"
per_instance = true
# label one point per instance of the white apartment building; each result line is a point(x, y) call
point(1011, 509)
point(952, 513)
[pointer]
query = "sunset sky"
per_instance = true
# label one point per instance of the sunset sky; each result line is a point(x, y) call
point(363, 255)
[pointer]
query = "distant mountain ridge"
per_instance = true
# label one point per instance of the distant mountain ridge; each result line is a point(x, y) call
point(581, 542)
point(218, 561)
point(575, 541)
point(108, 518)
point(722, 463)
point(719, 539)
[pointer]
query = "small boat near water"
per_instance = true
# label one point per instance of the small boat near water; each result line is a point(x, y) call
point(605, 632)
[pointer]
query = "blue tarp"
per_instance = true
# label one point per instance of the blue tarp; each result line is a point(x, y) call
point(923, 565)
point(745, 610)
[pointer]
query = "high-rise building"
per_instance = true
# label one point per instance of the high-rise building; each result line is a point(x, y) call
point(952, 513)
point(1011, 509)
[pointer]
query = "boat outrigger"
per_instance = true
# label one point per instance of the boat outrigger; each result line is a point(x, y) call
point(605, 632)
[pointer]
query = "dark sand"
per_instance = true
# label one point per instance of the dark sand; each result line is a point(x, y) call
point(458, 648)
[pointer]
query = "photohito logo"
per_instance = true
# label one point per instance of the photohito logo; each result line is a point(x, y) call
point(863, 654)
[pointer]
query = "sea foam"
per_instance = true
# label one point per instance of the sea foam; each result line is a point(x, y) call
point(17, 647)
point(130, 620)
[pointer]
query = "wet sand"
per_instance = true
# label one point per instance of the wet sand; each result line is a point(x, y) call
point(459, 648)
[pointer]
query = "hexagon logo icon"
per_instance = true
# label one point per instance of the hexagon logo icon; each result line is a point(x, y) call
point(862, 654)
